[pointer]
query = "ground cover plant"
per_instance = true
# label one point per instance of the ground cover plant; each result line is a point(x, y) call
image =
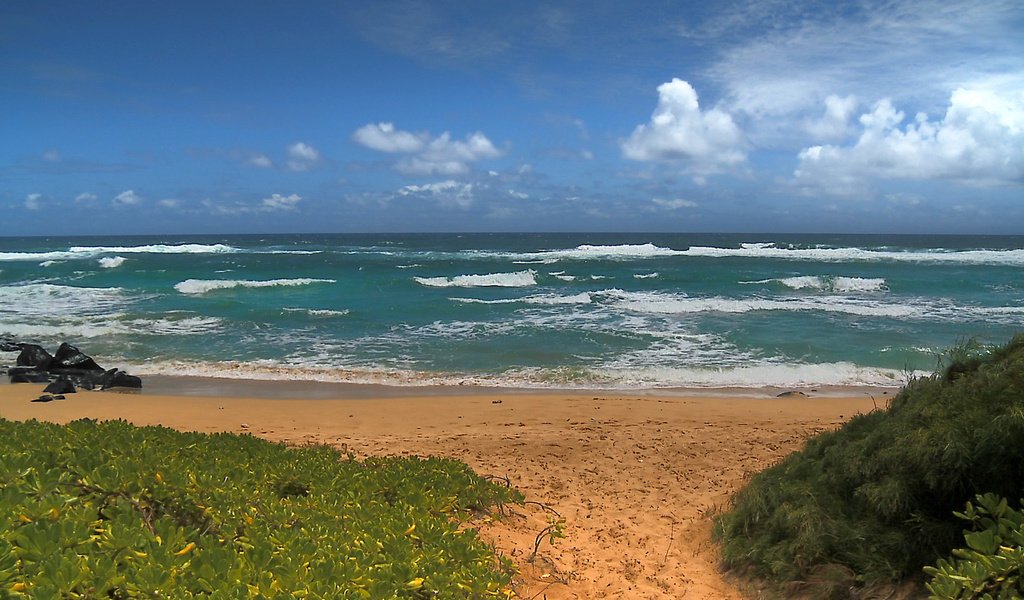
point(109, 510)
point(874, 501)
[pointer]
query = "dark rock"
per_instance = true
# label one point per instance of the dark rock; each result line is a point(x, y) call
point(791, 394)
point(62, 385)
point(28, 375)
point(43, 398)
point(9, 346)
point(69, 357)
point(115, 378)
point(58, 397)
point(34, 356)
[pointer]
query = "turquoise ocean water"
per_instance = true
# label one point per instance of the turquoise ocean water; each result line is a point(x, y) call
point(558, 310)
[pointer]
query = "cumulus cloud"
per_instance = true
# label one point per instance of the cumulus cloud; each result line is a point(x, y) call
point(673, 203)
point(127, 198)
point(448, 192)
point(425, 155)
point(301, 157)
point(979, 140)
point(278, 202)
point(836, 123)
point(704, 142)
point(272, 203)
point(261, 161)
point(169, 203)
point(383, 137)
point(34, 201)
point(85, 197)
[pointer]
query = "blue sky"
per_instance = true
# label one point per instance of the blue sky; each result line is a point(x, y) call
point(224, 117)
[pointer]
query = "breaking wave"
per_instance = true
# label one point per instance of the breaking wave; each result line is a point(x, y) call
point(202, 286)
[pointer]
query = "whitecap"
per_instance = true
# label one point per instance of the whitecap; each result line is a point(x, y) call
point(202, 286)
point(110, 262)
point(517, 279)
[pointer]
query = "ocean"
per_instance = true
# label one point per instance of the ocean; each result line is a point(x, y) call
point(519, 310)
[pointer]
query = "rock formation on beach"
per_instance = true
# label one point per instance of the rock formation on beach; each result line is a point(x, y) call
point(69, 368)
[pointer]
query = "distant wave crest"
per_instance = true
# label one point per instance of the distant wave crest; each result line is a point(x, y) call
point(517, 279)
point(202, 286)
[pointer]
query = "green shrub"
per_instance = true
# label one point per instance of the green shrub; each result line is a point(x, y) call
point(876, 497)
point(991, 567)
point(108, 510)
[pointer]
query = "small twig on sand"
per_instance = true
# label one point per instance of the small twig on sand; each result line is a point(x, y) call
point(671, 537)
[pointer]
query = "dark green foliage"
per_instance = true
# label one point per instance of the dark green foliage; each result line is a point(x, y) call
point(108, 510)
point(991, 567)
point(878, 495)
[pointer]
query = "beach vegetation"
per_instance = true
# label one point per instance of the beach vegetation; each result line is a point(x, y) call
point(874, 501)
point(109, 510)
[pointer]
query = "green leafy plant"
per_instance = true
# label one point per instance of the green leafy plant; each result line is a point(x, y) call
point(109, 510)
point(875, 498)
point(991, 566)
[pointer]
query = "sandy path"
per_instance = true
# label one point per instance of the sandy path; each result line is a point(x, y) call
point(635, 477)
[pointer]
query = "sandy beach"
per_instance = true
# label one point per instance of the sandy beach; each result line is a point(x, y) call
point(635, 475)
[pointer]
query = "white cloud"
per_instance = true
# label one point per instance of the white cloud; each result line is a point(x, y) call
point(674, 203)
point(260, 160)
point(51, 156)
point(979, 140)
point(448, 192)
point(302, 157)
point(836, 123)
point(518, 195)
point(278, 202)
point(425, 156)
point(383, 137)
point(34, 201)
point(703, 142)
point(127, 198)
point(780, 60)
point(169, 203)
point(85, 197)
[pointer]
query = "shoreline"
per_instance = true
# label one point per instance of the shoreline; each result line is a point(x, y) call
point(635, 474)
point(290, 389)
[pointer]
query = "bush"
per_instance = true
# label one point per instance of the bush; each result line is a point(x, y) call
point(991, 567)
point(876, 497)
point(108, 510)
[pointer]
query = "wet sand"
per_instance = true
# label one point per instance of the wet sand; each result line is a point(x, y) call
point(635, 475)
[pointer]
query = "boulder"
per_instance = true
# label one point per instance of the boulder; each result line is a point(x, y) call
point(34, 356)
point(69, 357)
point(62, 385)
point(9, 346)
point(28, 375)
point(115, 378)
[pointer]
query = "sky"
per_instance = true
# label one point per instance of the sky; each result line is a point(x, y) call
point(127, 117)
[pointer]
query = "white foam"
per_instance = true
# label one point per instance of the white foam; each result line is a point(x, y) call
point(622, 251)
point(565, 277)
point(49, 263)
point(45, 300)
point(110, 262)
point(553, 299)
point(645, 275)
point(319, 312)
point(935, 255)
point(659, 303)
point(831, 284)
point(412, 266)
point(202, 286)
point(156, 249)
point(34, 256)
point(517, 279)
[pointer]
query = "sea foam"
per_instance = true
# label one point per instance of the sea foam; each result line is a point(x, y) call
point(110, 262)
point(517, 279)
point(202, 286)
